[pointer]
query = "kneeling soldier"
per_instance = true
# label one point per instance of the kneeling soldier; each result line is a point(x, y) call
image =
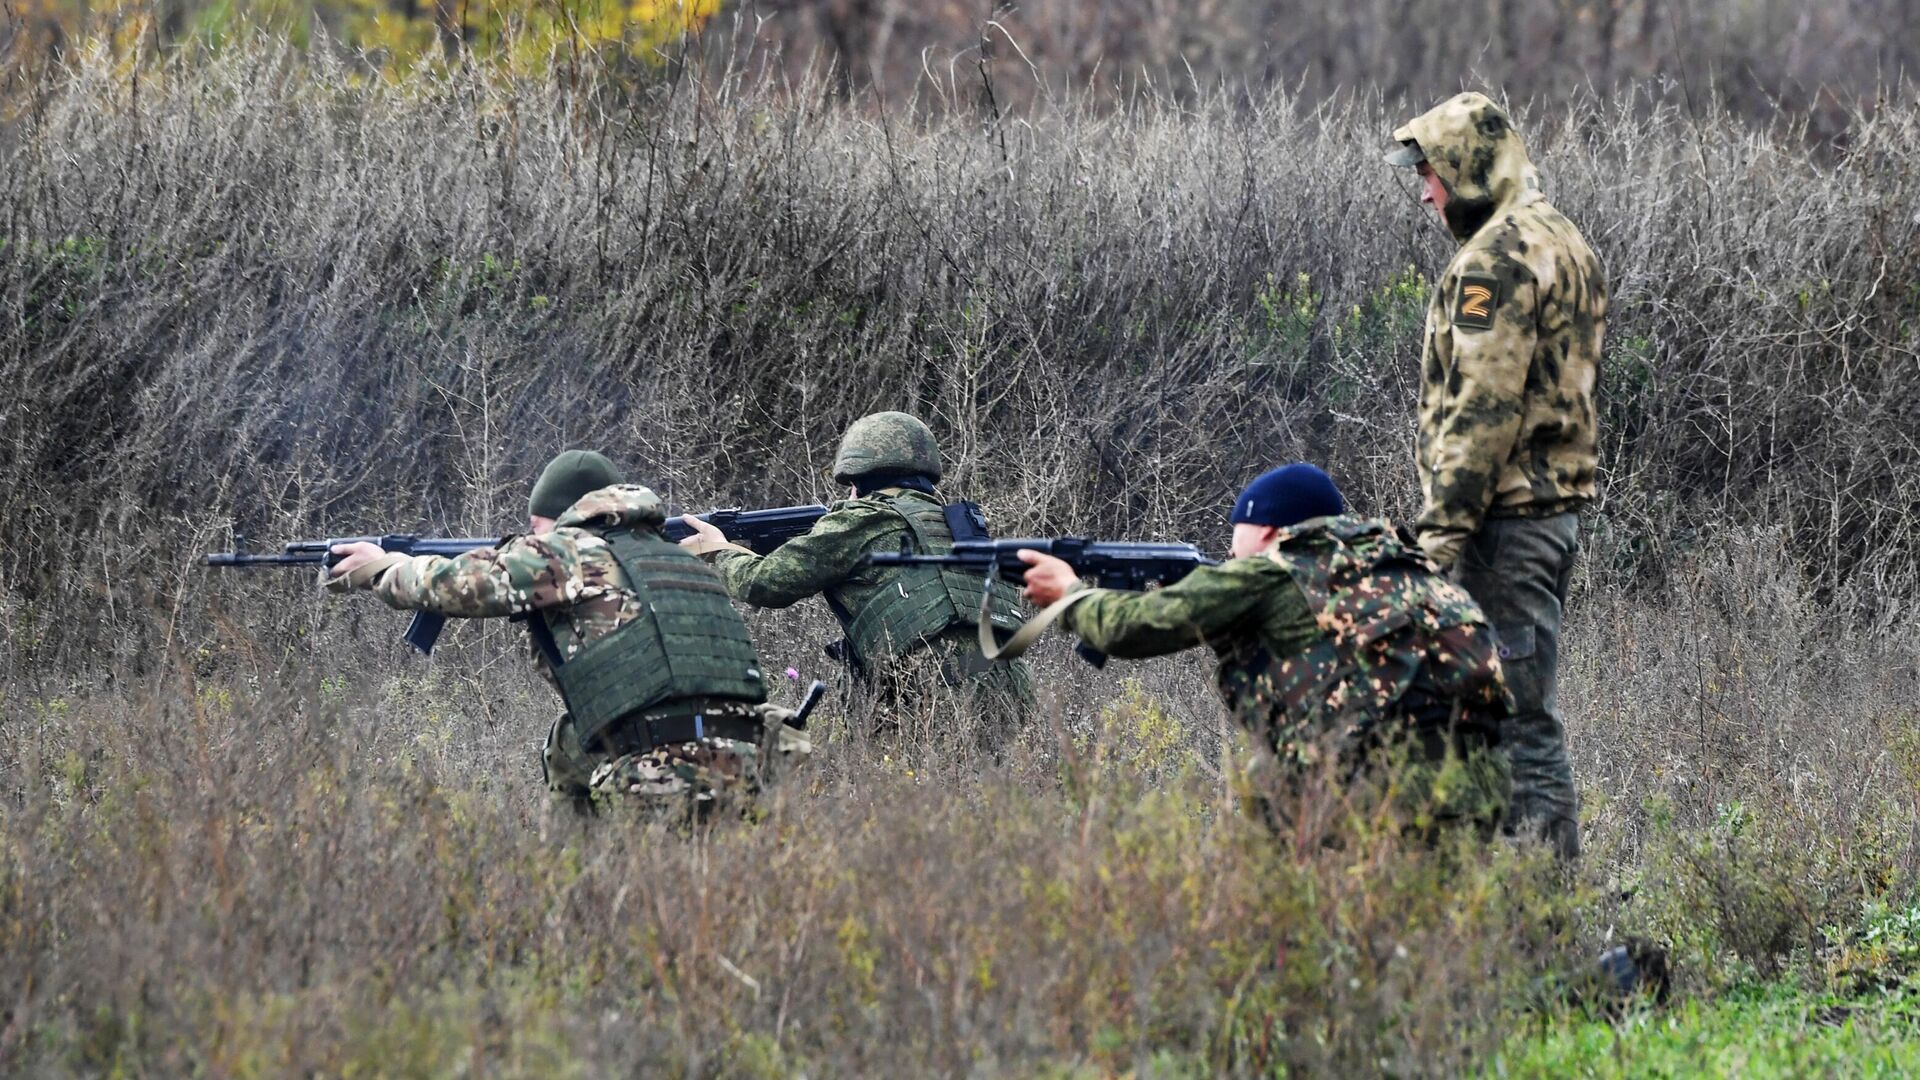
point(664, 694)
point(890, 615)
point(1337, 640)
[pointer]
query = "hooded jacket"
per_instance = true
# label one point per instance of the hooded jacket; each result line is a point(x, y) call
point(1511, 359)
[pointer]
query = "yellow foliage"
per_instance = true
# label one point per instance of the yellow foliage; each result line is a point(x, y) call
point(395, 35)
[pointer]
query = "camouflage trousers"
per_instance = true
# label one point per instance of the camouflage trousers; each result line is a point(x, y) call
point(679, 784)
point(1518, 570)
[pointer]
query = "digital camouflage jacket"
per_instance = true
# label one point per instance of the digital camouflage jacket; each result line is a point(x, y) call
point(828, 561)
point(1512, 352)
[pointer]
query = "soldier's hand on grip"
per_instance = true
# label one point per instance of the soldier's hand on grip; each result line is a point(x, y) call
point(358, 565)
point(1048, 578)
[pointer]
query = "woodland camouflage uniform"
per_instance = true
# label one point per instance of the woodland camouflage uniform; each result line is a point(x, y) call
point(1340, 640)
point(1507, 421)
point(907, 628)
point(570, 576)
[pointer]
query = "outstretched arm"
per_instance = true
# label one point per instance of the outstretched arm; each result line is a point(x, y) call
point(522, 574)
point(799, 568)
point(1210, 601)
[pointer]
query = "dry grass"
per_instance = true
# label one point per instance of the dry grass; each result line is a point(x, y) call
point(271, 871)
point(245, 835)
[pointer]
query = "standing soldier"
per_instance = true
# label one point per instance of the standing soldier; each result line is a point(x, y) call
point(890, 615)
point(1506, 448)
point(1339, 642)
point(663, 691)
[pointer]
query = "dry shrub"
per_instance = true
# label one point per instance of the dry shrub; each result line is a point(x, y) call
point(1747, 751)
point(1757, 59)
point(254, 883)
point(1111, 319)
point(246, 834)
point(266, 871)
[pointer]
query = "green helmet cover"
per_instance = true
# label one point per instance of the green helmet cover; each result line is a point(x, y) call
point(566, 478)
point(886, 442)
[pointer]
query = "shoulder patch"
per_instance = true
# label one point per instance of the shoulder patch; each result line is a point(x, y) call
point(1474, 304)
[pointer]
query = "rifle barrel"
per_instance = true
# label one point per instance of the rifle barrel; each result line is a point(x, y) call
point(320, 552)
point(761, 530)
point(241, 558)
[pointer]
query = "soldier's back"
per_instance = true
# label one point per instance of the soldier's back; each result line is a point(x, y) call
point(664, 691)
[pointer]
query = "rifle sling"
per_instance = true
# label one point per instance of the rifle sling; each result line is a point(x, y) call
point(1028, 633)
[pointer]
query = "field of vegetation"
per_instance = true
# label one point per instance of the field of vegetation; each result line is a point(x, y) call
point(257, 291)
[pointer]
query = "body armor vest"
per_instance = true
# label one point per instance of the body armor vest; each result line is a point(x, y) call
point(1398, 641)
point(920, 603)
point(687, 642)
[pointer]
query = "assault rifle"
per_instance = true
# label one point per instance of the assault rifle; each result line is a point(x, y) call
point(1108, 564)
point(761, 530)
point(425, 627)
point(320, 552)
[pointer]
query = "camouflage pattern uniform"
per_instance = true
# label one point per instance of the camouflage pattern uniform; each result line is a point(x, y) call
point(570, 576)
point(908, 629)
point(1339, 640)
point(827, 561)
point(1507, 423)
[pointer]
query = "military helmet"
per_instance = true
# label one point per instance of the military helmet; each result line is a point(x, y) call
point(887, 442)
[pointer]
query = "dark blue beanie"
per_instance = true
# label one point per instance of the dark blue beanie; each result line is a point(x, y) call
point(1287, 496)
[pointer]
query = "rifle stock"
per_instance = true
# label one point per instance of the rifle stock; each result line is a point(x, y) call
point(760, 530)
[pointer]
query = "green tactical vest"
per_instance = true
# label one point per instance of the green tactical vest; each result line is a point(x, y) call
point(919, 603)
point(688, 642)
point(1389, 617)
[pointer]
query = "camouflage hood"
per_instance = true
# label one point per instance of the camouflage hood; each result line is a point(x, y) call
point(618, 506)
point(1470, 143)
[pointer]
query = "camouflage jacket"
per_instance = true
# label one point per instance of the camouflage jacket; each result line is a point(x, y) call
point(1512, 352)
point(1238, 608)
point(569, 568)
point(1324, 633)
point(570, 574)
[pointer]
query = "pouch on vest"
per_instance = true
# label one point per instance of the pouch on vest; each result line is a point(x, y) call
point(687, 642)
point(965, 521)
point(922, 602)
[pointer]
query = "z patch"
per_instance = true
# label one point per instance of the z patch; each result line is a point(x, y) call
point(1479, 296)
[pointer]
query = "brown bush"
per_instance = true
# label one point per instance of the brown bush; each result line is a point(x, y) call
point(1757, 60)
point(245, 834)
point(1112, 321)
